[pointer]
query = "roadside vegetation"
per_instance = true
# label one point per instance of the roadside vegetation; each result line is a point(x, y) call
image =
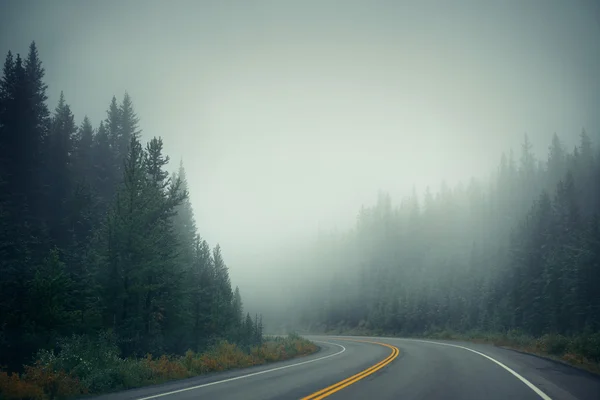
point(82, 366)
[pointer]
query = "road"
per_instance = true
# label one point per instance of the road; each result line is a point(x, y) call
point(388, 368)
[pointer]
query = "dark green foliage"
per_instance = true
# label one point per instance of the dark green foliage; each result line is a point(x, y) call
point(24, 126)
point(49, 298)
point(113, 128)
point(83, 143)
point(249, 330)
point(97, 240)
point(238, 314)
point(128, 124)
point(104, 174)
point(184, 221)
point(59, 173)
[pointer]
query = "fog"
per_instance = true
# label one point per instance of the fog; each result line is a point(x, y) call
point(289, 116)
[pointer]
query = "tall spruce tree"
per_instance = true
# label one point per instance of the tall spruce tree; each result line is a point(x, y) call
point(59, 172)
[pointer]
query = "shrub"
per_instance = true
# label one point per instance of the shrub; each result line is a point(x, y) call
point(55, 384)
point(40, 382)
point(12, 387)
point(552, 344)
point(443, 335)
point(95, 361)
point(83, 365)
point(165, 368)
point(587, 345)
point(517, 337)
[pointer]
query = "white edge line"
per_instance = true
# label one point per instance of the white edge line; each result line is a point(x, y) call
point(519, 377)
point(249, 375)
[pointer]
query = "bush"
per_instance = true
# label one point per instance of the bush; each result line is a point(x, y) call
point(12, 387)
point(40, 382)
point(132, 373)
point(443, 335)
point(165, 368)
point(587, 345)
point(519, 338)
point(95, 361)
point(55, 384)
point(84, 365)
point(552, 344)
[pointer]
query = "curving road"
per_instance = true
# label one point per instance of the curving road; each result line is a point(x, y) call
point(389, 368)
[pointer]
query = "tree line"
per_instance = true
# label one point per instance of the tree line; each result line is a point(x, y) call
point(96, 235)
point(520, 252)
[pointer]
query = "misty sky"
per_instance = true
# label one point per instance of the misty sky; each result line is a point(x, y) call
point(290, 115)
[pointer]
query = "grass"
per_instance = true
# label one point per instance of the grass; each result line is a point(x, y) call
point(85, 366)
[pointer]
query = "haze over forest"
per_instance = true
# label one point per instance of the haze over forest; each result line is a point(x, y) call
point(361, 165)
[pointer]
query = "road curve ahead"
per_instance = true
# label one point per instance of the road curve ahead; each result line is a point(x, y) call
point(388, 368)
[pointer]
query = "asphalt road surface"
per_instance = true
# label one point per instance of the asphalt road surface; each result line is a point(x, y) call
point(388, 368)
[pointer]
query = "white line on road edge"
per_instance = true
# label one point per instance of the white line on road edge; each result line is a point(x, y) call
point(519, 377)
point(249, 375)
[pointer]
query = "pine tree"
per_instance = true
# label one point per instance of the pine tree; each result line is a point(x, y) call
point(23, 128)
point(256, 331)
point(82, 204)
point(238, 315)
point(8, 230)
point(202, 295)
point(144, 279)
point(184, 221)
point(170, 295)
point(556, 162)
point(124, 254)
point(128, 124)
point(7, 94)
point(222, 312)
point(584, 173)
point(59, 172)
point(35, 124)
point(83, 152)
point(24, 122)
point(249, 330)
point(104, 173)
point(49, 299)
point(113, 129)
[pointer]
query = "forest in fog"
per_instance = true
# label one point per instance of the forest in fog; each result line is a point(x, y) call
point(193, 188)
point(96, 237)
point(520, 252)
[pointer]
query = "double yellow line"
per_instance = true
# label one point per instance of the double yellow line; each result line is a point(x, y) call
point(328, 391)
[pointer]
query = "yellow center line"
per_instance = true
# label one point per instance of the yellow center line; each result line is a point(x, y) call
point(328, 391)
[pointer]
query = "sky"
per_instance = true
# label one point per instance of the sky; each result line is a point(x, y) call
point(290, 115)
